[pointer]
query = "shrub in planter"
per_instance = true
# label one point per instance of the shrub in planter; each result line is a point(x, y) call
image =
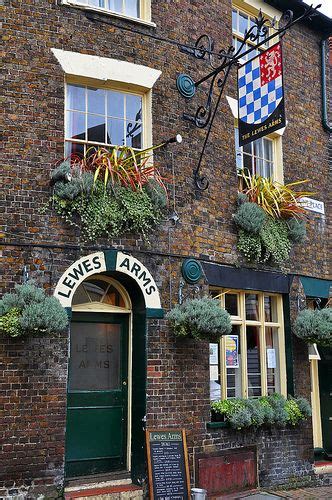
point(109, 192)
point(201, 319)
point(315, 326)
point(29, 311)
point(268, 219)
point(269, 411)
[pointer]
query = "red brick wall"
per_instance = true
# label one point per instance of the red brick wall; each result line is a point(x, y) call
point(33, 103)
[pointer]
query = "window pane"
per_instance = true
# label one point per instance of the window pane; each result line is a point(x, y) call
point(272, 360)
point(96, 128)
point(215, 388)
point(134, 134)
point(253, 361)
point(113, 297)
point(95, 289)
point(243, 23)
point(80, 296)
point(259, 167)
point(115, 5)
point(76, 97)
point(247, 163)
point(75, 125)
point(258, 148)
point(97, 3)
point(133, 108)
point(252, 307)
point(132, 8)
point(96, 101)
point(238, 150)
point(115, 104)
point(94, 357)
point(115, 132)
point(74, 149)
point(270, 308)
point(268, 152)
point(234, 18)
point(231, 304)
point(233, 363)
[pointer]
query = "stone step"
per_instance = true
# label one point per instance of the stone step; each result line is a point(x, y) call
point(117, 492)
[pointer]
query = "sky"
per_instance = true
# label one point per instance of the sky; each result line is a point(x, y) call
point(326, 7)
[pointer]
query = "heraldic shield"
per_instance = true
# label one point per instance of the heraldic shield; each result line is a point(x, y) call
point(261, 107)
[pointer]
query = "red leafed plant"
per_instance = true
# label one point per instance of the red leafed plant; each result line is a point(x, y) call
point(120, 165)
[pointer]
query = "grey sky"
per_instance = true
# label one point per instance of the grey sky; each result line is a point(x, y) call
point(326, 7)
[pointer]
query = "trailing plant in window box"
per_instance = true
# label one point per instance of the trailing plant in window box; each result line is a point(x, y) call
point(269, 217)
point(315, 326)
point(29, 311)
point(266, 411)
point(109, 192)
point(200, 319)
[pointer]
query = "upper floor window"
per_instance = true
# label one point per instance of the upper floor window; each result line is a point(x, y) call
point(102, 117)
point(257, 157)
point(241, 23)
point(139, 10)
point(251, 361)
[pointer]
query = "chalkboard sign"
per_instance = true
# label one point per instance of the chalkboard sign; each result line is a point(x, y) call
point(168, 464)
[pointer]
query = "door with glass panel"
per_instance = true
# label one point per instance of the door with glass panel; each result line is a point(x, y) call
point(97, 394)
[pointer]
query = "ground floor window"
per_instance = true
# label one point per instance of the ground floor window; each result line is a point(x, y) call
point(250, 362)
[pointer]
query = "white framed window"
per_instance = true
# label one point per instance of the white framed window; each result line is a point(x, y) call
point(135, 10)
point(257, 157)
point(242, 21)
point(102, 117)
point(251, 361)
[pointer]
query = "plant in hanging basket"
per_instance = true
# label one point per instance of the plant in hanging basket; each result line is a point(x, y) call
point(109, 192)
point(269, 218)
point(29, 311)
point(315, 326)
point(200, 319)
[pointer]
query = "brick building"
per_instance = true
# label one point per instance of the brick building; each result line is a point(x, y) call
point(67, 63)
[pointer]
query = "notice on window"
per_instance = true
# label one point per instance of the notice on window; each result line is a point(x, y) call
point(214, 354)
point(271, 358)
point(214, 372)
point(232, 351)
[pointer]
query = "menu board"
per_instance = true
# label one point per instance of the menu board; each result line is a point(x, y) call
point(168, 464)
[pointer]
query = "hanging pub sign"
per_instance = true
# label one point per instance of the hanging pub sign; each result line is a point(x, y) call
point(261, 95)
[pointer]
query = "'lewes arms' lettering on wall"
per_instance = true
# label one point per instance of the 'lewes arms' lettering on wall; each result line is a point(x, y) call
point(75, 274)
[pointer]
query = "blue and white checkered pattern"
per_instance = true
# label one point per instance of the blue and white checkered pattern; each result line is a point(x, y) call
point(256, 102)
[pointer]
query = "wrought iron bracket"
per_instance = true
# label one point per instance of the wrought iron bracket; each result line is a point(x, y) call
point(221, 63)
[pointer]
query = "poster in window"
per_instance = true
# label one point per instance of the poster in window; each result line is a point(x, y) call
point(214, 354)
point(261, 108)
point(232, 351)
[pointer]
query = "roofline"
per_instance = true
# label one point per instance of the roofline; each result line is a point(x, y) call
point(320, 22)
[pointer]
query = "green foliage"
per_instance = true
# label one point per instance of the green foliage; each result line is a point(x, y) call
point(250, 217)
point(201, 319)
point(28, 310)
point(62, 172)
point(250, 246)
point(315, 326)
point(112, 212)
point(10, 322)
point(296, 230)
point(269, 411)
point(274, 237)
point(107, 210)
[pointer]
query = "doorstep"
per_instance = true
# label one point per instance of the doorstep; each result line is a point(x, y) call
point(323, 467)
point(100, 488)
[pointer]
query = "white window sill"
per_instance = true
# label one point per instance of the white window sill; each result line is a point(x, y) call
point(90, 8)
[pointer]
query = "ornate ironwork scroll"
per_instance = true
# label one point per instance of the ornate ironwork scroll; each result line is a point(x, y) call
point(221, 63)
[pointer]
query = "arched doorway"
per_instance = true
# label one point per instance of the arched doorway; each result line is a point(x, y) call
point(110, 286)
point(99, 382)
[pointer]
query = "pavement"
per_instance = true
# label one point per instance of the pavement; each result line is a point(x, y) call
point(306, 493)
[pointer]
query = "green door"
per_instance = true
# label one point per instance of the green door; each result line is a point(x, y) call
point(97, 396)
point(325, 390)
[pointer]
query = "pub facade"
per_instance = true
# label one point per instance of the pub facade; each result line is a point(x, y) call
point(84, 76)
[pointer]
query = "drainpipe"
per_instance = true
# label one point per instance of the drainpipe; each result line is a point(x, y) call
point(327, 126)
